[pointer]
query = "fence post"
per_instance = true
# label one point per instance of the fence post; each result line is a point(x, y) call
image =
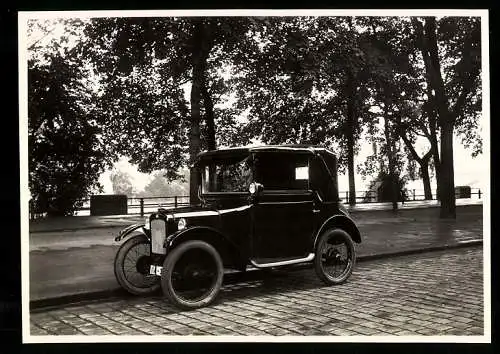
point(175, 202)
point(346, 196)
point(413, 194)
point(479, 193)
point(142, 206)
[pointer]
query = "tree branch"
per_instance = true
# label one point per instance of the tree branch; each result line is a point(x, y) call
point(466, 90)
point(410, 146)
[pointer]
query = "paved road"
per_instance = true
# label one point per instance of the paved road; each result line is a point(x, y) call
point(76, 262)
point(435, 293)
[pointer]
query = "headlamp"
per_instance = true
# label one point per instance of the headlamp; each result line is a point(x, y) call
point(181, 224)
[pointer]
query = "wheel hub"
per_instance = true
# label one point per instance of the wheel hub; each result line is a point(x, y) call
point(142, 264)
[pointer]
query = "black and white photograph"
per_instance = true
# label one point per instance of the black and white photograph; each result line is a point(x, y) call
point(255, 175)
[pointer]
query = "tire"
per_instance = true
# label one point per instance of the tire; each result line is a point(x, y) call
point(138, 282)
point(334, 246)
point(197, 266)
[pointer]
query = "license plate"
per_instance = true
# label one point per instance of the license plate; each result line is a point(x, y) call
point(155, 269)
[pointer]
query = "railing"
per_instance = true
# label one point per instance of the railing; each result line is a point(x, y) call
point(142, 205)
point(151, 204)
point(363, 197)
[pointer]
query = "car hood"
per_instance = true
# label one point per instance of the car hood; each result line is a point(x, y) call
point(198, 211)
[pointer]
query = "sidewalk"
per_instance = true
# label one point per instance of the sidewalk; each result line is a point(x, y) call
point(79, 263)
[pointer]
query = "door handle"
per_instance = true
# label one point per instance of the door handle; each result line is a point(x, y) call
point(316, 210)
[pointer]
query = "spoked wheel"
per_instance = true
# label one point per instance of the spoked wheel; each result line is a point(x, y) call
point(192, 275)
point(132, 263)
point(335, 256)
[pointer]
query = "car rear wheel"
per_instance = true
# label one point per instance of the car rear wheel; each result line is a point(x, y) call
point(131, 267)
point(335, 256)
point(192, 275)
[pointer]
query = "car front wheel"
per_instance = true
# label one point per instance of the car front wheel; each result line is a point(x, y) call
point(132, 267)
point(192, 275)
point(335, 256)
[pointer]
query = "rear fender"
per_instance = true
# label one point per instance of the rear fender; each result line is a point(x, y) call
point(137, 228)
point(343, 222)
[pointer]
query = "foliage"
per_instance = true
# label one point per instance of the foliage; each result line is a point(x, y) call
point(122, 183)
point(380, 189)
point(145, 66)
point(160, 186)
point(451, 51)
point(317, 80)
point(66, 155)
point(305, 84)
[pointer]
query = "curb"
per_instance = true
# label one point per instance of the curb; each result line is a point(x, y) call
point(352, 211)
point(82, 228)
point(471, 243)
point(71, 299)
point(45, 304)
point(413, 207)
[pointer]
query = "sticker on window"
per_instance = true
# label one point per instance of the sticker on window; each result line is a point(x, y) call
point(301, 173)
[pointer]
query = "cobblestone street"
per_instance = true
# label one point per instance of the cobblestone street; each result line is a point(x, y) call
point(436, 293)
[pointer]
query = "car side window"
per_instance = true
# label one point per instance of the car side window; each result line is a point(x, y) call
point(321, 180)
point(227, 176)
point(282, 171)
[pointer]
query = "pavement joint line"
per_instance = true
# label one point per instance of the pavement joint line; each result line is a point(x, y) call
point(118, 293)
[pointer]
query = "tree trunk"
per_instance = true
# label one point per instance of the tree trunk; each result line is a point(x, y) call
point(434, 83)
point(350, 169)
point(422, 161)
point(447, 185)
point(209, 116)
point(392, 173)
point(437, 160)
point(351, 130)
point(194, 139)
point(424, 172)
point(198, 62)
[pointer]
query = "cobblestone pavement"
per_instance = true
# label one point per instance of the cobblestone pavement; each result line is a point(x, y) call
point(435, 293)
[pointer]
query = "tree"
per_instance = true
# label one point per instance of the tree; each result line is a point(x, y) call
point(66, 155)
point(155, 58)
point(416, 117)
point(388, 64)
point(122, 183)
point(451, 50)
point(304, 84)
point(159, 186)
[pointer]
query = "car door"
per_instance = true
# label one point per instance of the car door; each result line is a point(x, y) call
point(283, 212)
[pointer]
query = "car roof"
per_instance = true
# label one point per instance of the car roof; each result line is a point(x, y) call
point(238, 151)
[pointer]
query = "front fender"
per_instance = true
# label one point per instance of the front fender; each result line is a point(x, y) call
point(129, 229)
point(228, 250)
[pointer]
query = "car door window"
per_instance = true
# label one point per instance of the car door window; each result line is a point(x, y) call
point(322, 182)
point(228, 175)
point(279, 171)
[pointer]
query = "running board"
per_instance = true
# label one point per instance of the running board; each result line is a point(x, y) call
point(309, 258)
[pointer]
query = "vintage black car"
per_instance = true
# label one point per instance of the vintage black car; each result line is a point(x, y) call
point(261, 207)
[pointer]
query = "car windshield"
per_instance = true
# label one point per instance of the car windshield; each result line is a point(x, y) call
point(226, 175)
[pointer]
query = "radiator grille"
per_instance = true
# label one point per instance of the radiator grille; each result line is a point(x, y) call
point(158, 234)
